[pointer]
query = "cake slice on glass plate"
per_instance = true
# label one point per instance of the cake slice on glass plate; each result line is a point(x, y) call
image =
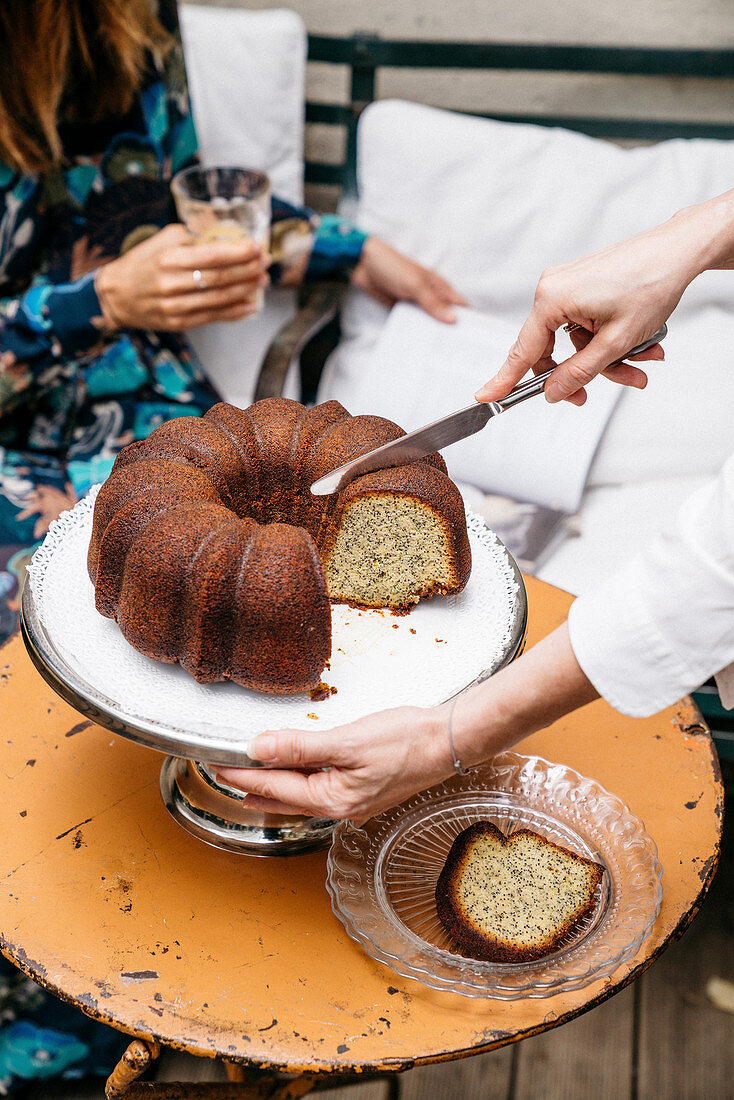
point(513, 898)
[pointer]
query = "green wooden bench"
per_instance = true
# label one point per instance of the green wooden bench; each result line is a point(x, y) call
point(314, 331)
point(719, 721)
point(366, 54)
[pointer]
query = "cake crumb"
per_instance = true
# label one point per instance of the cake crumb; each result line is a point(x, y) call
point(412, 630)
point(320, 692)
point(314, 716)
point(395, 626)
point(332, 690)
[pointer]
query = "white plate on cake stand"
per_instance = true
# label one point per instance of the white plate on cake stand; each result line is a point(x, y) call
point(378, 661)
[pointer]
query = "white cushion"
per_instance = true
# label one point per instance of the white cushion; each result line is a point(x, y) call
point(613, 523)
point(232, 351)
point(246, 73)
point(683, 423)
point(491, 204)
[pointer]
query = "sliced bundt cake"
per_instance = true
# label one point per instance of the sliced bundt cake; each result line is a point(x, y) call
point(513, 898)
point(209, 549)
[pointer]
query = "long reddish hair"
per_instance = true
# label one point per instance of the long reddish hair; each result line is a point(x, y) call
point(79, 59)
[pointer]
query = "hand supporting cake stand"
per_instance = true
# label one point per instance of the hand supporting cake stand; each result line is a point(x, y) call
point(207, 808)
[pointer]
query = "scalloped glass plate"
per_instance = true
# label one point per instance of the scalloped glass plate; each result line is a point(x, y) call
point(382, 877)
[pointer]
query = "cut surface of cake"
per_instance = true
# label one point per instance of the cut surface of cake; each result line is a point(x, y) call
point(513, 898)
point(209, 549)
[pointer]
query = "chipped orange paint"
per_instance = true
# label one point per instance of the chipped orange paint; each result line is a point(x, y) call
point(106, 901)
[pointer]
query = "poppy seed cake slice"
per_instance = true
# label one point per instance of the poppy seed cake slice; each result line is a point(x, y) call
point(512, 898)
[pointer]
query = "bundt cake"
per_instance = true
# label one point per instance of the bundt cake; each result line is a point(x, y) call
point(513, 898)
point(209, 549)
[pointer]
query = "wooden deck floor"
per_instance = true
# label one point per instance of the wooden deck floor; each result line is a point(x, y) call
point(661, 1039)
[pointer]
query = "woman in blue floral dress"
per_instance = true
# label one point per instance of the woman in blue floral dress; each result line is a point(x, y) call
point(96, 293)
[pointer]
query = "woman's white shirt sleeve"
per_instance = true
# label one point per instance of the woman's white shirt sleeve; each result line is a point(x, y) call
point(664, 623)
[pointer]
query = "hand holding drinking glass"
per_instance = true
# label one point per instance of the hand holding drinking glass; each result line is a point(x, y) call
point(169, 284)
point(227, 205)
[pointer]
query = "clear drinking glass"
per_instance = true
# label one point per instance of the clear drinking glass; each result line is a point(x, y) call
point(224, 204)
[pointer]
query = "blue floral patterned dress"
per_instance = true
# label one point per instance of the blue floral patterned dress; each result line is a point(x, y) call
point(72, 396)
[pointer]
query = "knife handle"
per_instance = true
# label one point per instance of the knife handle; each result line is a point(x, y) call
point(536, 384)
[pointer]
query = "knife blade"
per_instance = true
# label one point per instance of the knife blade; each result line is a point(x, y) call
point(449, 429)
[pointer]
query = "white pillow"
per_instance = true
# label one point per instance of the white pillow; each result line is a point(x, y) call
point(682, 425)
point(491, 204)
point(613, 523)
point(246, 72)
point(232, 352)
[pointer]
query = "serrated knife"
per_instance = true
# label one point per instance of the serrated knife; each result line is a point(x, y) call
point(449, 429)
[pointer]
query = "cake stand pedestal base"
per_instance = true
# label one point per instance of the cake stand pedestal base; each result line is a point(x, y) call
point(213, 812)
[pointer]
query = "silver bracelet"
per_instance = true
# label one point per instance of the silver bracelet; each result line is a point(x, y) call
point(457, 763)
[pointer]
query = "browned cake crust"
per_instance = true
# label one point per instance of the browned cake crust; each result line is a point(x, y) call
point(477, 944)
point(207, 542)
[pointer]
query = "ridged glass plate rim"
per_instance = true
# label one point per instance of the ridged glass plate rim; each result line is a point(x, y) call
point(577, 802)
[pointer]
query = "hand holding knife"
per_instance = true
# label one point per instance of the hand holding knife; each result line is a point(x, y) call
point(449, 429)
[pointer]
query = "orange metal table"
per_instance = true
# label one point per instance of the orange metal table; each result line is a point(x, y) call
point(108, 903)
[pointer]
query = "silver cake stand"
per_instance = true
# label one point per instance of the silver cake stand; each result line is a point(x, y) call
point(207, 808)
